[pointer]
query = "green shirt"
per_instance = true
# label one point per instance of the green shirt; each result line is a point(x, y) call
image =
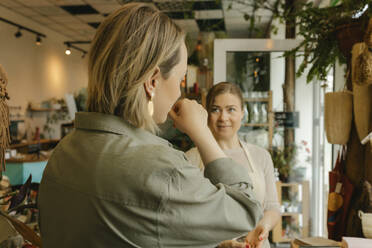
point(108, 184)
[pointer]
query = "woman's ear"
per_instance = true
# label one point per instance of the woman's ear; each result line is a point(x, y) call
point(152, 82)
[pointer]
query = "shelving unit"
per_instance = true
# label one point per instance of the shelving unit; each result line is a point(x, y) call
point(201, 97)
point(270, 115)
point(299, 217)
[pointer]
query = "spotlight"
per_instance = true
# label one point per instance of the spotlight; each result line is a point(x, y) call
point(68, 51)
point(38, 40)
point(18, 33)
point(83, 56)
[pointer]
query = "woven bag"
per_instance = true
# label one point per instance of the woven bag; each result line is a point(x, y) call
point(338, 107)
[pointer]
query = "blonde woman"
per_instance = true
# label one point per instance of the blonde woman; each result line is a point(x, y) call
point(112, 182)
point(225, 109)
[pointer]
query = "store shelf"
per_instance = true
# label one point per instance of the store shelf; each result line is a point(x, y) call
point(270, 116)
point(290, 214)
point(42, 109)
point(256, 124)
point(299, 218)
point(258, 99)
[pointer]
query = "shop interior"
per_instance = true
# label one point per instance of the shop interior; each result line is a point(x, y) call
point(307, 88)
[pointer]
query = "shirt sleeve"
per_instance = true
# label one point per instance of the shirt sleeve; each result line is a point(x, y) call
point(194, 157)
point(205, 210)
point(271, 195)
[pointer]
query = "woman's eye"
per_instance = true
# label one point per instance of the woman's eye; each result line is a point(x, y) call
point(214, 110)
point(231, 109)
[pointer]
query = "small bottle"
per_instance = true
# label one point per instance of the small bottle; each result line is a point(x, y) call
point(263, 113)
point(246, 114)
point(256, 114)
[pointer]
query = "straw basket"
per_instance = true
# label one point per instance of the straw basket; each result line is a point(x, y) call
point(338, 107)
point(362, 108)
point(366, 223)
point(363, 68)
point(362, 90)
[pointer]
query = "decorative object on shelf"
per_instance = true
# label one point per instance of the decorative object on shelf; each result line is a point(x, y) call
point(286, 160)
point(338, 113)
point(4, 117)
point(54, 117)
point(18, 203)
point(259, 117)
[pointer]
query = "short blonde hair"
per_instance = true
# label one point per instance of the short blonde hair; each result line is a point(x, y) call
point(127, 48)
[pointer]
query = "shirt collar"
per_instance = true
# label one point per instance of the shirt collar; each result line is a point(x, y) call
point(114, 124)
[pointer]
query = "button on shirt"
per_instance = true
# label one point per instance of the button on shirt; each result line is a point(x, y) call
point(109, 184)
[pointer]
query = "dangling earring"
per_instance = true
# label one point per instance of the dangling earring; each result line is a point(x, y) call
point(150, 106)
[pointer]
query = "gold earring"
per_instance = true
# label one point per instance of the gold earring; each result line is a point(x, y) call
point(150, 105)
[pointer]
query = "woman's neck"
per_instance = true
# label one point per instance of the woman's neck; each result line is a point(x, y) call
point(230, 143)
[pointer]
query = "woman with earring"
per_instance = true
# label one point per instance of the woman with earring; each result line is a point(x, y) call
point(225, 113)
point(112, 182)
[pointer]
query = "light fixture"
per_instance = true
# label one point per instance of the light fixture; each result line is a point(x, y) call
point(18, 33)
point(68, 50)
point(71, 44)
point(38, 40)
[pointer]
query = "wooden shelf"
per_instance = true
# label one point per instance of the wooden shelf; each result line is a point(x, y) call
point(290, 184)
point(256, 124)
point(303, 214)
point(290, 214)
point(42, 141)
point(42, 109)
point(260, 99)
point(270, 116)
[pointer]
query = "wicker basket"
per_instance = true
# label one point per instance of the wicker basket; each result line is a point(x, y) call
point(366, 223)
point(363, 67)
point(362, 109)
point(338, 107)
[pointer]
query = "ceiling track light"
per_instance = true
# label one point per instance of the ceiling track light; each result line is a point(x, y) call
point(71, 44)
point(68, 50)
point(18, 34)
point(38, 40)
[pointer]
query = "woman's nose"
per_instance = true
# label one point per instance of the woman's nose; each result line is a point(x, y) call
point(223, 115)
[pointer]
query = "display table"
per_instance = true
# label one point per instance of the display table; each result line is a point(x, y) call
point(19, 171)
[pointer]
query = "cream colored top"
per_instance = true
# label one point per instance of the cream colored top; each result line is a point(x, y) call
point(260, 167)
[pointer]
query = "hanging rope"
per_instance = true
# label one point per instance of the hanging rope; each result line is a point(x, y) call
point(4, 118)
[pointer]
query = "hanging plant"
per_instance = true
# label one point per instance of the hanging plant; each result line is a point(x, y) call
point(328, 33)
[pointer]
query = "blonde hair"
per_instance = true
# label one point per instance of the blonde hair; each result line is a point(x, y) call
point(128, 47)
point(222, 88)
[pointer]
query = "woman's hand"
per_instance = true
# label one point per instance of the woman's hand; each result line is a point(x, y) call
point(190, 117)
point(256, 237)
point(232, 244)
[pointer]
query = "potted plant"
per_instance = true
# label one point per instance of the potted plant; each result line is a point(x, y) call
point(286, 160)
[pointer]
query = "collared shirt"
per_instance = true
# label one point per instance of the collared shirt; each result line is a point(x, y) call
point(109, 184)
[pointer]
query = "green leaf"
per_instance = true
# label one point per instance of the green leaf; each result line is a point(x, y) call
point(334, 2)
point(246, 16)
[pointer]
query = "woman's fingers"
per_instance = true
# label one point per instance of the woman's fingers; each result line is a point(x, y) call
point(232, 244)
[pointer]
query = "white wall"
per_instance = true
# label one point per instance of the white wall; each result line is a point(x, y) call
point(37, 73)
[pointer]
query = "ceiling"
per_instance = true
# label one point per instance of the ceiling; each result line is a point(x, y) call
point(77, 20)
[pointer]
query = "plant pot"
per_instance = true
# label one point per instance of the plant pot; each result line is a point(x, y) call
point(338, 107)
